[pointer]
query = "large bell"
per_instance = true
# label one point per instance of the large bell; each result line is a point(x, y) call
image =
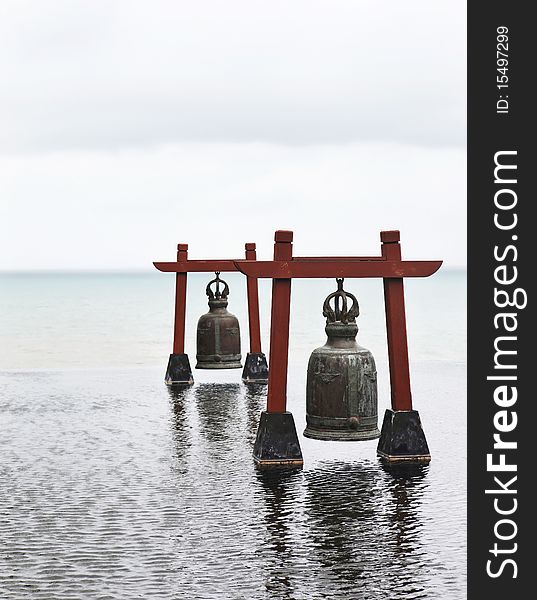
point(341, 389)
point(218, 338)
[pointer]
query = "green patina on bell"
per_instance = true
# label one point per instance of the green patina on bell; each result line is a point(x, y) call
point(341, 389)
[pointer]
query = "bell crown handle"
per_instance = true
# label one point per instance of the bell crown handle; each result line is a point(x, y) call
point(217, 294)
point(341, 311)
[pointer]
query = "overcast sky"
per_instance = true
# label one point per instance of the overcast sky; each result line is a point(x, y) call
point(129, 126)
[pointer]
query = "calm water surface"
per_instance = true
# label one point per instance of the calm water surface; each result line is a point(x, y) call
point(113, 486)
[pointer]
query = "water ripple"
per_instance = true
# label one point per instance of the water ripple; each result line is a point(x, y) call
point(113, 486)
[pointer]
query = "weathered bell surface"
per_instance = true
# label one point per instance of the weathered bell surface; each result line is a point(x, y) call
point(341, 389)
point(218, 337)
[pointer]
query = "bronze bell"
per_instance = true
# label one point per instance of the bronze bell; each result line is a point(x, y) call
point(341, 389)
point(218, 339)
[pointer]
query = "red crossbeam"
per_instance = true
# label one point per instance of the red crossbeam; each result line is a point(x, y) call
point(183, 266)
point(197, 266)
point(331, 258)
point(347, 266)
point(357, 267)
point(282, 270)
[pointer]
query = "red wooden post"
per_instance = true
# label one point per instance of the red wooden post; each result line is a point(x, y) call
point(394, 300)
point(180, 303)
point(279, 327)
point(253, 303)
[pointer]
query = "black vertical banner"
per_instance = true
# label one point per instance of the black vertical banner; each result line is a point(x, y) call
point(501, 324)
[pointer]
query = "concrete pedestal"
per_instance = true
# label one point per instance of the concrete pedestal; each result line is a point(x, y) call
point(179, 371)
point(402, 438)
point(255, 368)
point(276, 444)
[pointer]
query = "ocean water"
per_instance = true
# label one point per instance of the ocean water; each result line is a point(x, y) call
point(114, 486)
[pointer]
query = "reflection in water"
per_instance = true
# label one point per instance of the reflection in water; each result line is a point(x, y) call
point(256, 400)
point(405, 484)
point(157, 494)
point(219, 416)
point(339, 529)
point(280, 490)
point(179, 395)
point(217, 401)
point(180, 399)
point(219, 407)
point(406, 487)
point(346, 509)
point(341, 505)
point(114, 486)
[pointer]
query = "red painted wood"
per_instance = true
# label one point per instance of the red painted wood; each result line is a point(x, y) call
point(196, 266)
point(253, 303)
point(331, 269)
point(393, 235)
point(180, 303)
point(279, 327)
point(282, 269)
point(394, 300)
point(335, 258)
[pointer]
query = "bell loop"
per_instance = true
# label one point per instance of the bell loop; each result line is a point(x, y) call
point(341, 311)
point(217, 294)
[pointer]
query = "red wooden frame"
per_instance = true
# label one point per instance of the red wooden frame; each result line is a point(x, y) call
point(389, 266)
point(183, 266)
point(282, 270)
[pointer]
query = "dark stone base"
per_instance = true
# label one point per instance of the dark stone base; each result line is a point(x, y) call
point(402, 438)
point(255, 368)
point(179, 371)
point(276, 444)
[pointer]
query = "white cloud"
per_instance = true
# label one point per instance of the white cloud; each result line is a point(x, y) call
point(115, 74)
point(80, 210)
point(127, 126)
